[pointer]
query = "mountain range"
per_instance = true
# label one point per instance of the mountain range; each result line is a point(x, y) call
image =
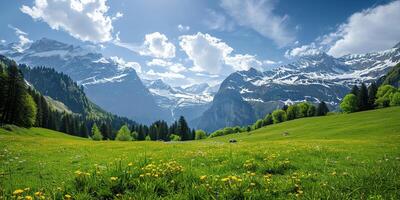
point(240, 99)
point(245, 96)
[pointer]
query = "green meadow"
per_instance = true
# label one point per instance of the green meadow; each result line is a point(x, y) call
point(343, 156)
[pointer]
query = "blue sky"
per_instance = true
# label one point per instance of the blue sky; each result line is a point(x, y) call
point(185, 42)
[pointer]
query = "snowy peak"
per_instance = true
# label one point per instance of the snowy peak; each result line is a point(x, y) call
point(397, 45)
point(197, 88)
point(46, 44)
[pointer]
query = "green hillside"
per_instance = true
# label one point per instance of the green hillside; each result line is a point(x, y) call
point(346, 156)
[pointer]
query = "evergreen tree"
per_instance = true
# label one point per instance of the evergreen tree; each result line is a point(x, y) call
point(84, 130)
point(26, 112)
point(183, 129)
point(362, 98)
point(372, 89)
point(96, 134)
point(355, 90)
point(322, 109)
point(16, 89)
point(285, 107)
point(105, 131)
point(65, 124)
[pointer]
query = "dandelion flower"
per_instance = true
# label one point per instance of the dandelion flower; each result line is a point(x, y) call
point(67, 197)
point(18, 192)
point(113, 178)
point(130, 164)
point(203, 177)
point(28, 198)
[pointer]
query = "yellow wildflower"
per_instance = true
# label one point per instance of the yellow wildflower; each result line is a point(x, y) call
point(130, 164)
point(67, 197)
point(113, 178)
point(28, 198)
point(203, 177)
point(18, 192)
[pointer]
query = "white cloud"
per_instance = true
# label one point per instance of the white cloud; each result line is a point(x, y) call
point(23, 43)
point(243, 62)
point(123, 65)
point(305, 50)
point(259, 16)
point(370, 30)
point(3, 41)
point(151, 74)
point(207, 53)
point(174, 67)
point(86, 20)
point(217, 21)
point(183, 28)
point(157, 45)
point(117, 16)
point(210, 54)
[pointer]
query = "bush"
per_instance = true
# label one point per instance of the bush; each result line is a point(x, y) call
point(349, 103)
point(124, 134)
point(279, 116)
point(174, 137)
point(395, 99)
point(147, 138)
point(383, 95)
point(200, 134)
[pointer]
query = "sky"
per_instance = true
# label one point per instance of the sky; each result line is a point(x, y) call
point(186, 42)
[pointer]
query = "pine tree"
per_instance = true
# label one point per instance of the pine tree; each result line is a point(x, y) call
point(183, 129)
point(362, 98)
point(372, 89)
point(15, 91)
point(355, 90)
point(104, 130)
point(83, 130)
point(322, 109)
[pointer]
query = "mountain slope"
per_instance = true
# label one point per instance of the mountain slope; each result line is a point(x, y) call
point(101, 77)
point(392, 77)
point(314, 78)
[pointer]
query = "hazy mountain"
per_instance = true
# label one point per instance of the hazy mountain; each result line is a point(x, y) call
point(245, 96)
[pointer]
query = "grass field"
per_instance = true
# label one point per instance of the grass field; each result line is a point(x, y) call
point(349, 156)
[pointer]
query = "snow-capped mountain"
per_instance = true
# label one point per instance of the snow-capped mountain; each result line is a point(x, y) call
point(113, 85)
point(315, 78)
point(189, 101)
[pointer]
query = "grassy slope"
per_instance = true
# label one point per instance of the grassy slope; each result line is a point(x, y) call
point(364, 146)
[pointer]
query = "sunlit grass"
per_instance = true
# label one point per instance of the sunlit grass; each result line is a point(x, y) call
point(353, 156)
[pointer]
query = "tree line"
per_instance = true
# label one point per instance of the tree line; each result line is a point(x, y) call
point(286, 113)
point(367, 98)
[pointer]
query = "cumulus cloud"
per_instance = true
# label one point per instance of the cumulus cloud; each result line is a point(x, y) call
point(370, 30)
point(305, 50)
point(123, 65)
point(23, 40)
point(212, 55)
point(157, 45)
point(85, 20)
point(207, 53)
point(259, 16)
point(174, 67)
point(243, 62)
point(183, 28)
